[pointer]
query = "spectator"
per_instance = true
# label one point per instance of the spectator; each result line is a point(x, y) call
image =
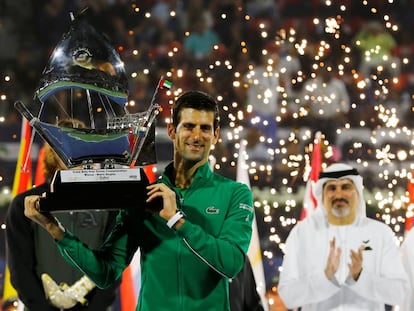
point(337, 257)
point(200, 42)
point(34, 260)
point(327, 100)
point(407, 252)
point(243, 291)
point(376, 47)
point(263, 95)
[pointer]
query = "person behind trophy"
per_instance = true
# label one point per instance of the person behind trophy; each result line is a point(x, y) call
point(194, 243)
point(243, 291)
point(42, 279)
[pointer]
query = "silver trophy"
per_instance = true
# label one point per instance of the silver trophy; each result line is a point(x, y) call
point(85, 80)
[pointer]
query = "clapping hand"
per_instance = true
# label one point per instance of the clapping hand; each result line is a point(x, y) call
point(333, 259)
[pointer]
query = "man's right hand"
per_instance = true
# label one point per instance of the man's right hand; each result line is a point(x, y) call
point(333, 260)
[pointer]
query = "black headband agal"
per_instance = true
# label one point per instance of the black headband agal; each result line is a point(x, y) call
point(338, 174)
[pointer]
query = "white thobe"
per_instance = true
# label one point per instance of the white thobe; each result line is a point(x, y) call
point(303, 282)
point(407, 251)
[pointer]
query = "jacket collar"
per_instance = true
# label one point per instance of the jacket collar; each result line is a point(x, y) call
point(203, 172)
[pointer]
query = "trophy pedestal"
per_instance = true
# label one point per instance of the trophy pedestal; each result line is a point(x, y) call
point(96, 189)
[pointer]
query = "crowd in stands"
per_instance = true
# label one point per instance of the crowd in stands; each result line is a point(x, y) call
point(217, 46)
point(274, 66)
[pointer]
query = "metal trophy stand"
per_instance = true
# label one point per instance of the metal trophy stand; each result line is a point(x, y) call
point(85, 80)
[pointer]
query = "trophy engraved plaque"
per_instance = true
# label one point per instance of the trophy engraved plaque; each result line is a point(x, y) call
point(85, 80)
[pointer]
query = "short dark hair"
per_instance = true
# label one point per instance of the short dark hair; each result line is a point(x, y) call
point(196, 100)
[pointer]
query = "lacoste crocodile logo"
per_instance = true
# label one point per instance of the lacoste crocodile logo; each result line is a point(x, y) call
point(212, 210)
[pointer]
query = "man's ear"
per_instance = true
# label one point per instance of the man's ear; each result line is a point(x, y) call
point(216, 135)
point(171, 131)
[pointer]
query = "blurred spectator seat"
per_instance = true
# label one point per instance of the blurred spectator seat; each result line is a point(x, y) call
point(356, 144)
point(394, 143)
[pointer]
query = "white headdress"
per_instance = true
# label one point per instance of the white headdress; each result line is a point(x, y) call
point(340, 171)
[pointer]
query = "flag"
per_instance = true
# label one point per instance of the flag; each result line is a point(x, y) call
point(22, 182)
point(131, 277)
point(39, 173)
point(165, 84)
point(309, 200)
point(127, 288)
point(254, 252)
point(23, 174)
point(409, 214)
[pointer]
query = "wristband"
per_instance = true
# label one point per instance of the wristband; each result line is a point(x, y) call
point(173, 220)
point(60, 225)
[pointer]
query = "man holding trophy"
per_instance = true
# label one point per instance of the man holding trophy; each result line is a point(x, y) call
point(193, 243)
point(192, 226)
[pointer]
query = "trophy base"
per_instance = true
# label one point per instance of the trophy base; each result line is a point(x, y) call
point(96, 189)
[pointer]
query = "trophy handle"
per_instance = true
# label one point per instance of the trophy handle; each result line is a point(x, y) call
point(152, 112)
point(142, 136)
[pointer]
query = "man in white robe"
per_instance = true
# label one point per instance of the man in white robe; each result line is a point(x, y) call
point(339, 259)
point(407, 252)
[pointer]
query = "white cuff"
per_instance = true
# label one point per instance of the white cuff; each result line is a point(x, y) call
point(60, 225)
point(173, 220)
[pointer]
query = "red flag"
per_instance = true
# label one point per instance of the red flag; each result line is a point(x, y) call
point(309, 201)
point(409, 214)
point(22, 182)
point(150, 172)
point(130, 285)
point(127, 291)
point(39, 173)
point(23, 175)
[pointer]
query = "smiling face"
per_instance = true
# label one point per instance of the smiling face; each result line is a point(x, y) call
point(193, 136)
point(340, 198)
